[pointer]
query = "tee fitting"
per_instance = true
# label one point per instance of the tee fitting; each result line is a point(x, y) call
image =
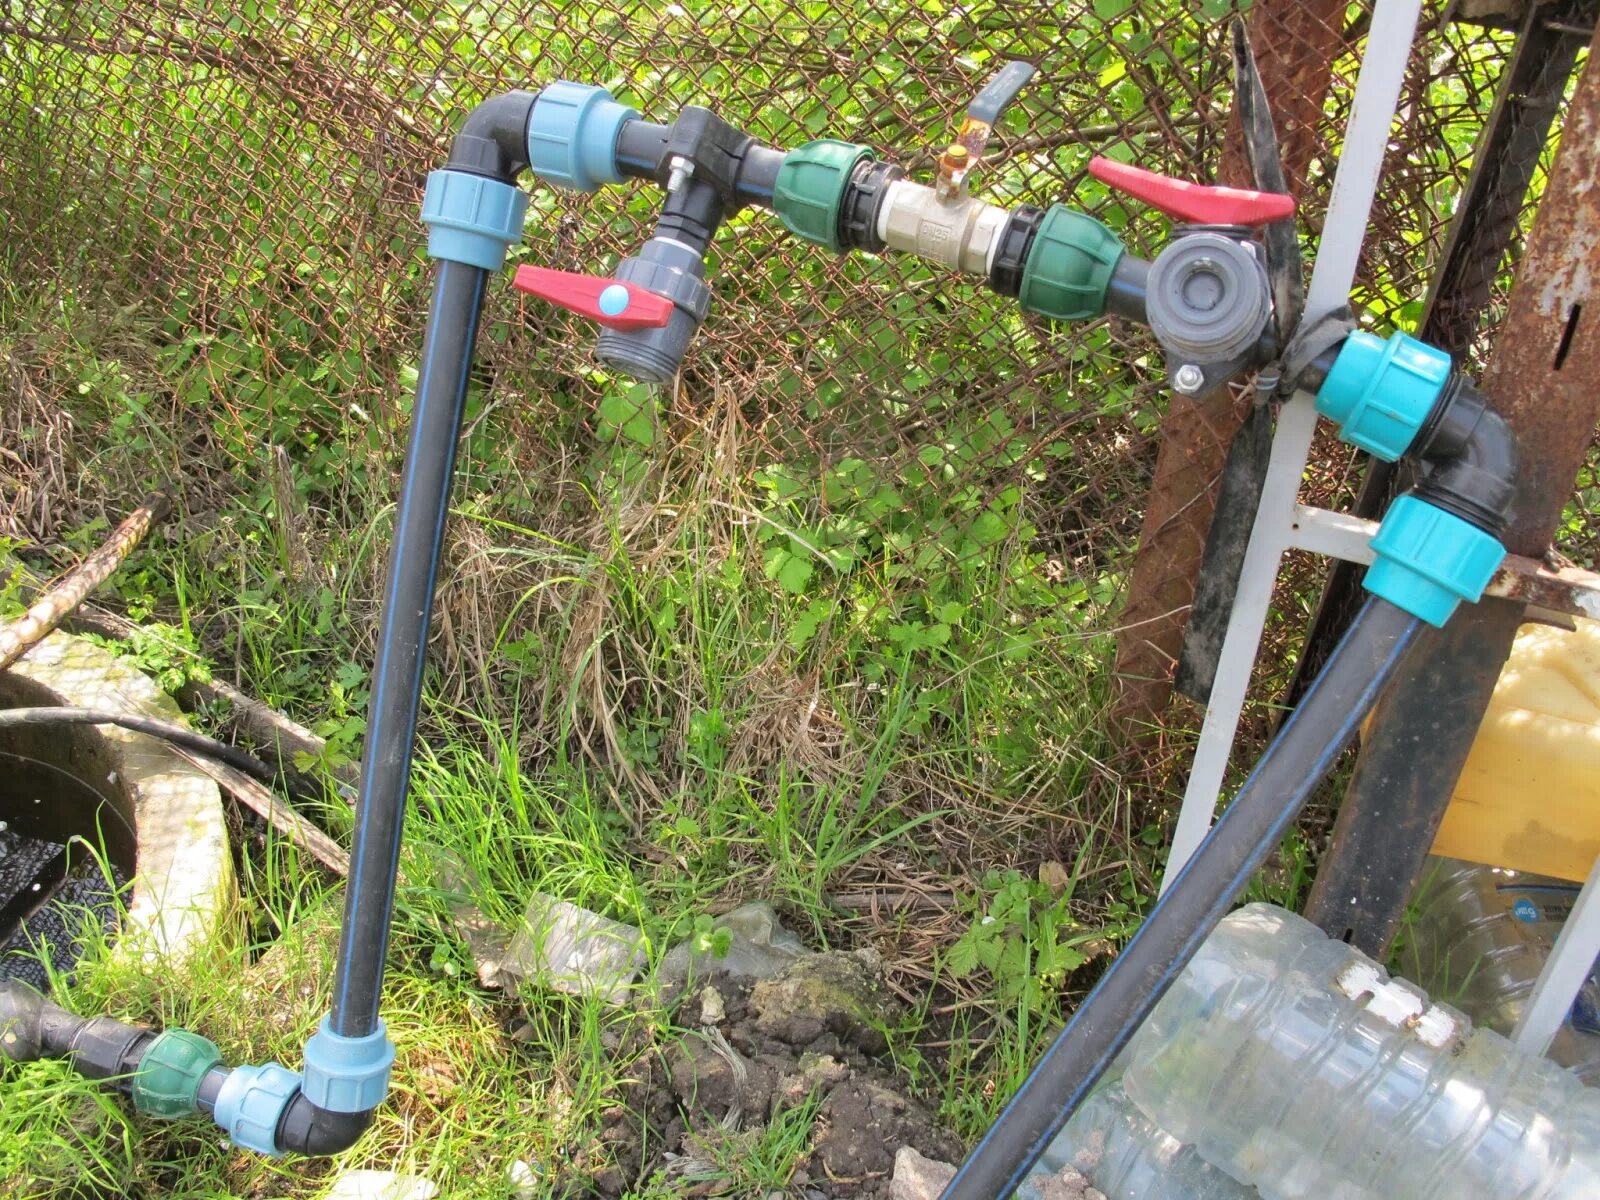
point(1439, 544)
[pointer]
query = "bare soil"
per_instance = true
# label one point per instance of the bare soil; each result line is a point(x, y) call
point(748, 1053)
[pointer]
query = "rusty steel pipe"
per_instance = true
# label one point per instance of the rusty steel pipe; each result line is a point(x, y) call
point(1542, 380)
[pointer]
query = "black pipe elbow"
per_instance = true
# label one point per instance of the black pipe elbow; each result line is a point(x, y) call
point(1473, 456)
point(318, 1132)
point(493, 140)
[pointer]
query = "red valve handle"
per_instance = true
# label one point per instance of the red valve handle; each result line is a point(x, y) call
point(1192, 202)
point(610, 302)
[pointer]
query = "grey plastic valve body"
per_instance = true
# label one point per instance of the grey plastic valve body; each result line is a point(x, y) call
point(1207, 299)
point(674, 270)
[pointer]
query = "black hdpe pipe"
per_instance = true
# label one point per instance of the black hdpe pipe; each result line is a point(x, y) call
point(397, 677)
point(103, 1048)
point(1261, 814)
point(100, 1047)
point(491, 143)
point(169, 731)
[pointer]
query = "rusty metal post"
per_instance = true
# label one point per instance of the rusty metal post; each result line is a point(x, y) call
point(1514, 136)
point(1295, 46)
point(1543, 379)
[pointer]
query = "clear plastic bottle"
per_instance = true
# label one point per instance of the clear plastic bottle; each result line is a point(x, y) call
point(1296, 1064)
point(1127, 1156)
point(1478, 939)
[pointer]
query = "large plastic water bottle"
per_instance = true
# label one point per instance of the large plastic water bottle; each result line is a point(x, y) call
point(1296, 1064)
point(1127, 1156)
point(1478, 939)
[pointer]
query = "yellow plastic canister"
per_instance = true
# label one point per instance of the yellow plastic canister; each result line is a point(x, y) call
point(1529, 795)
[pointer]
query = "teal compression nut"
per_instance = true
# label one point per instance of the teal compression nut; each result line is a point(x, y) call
point(1380, 393)
point(251, 1104)
point(572, 136)
point(472, 219)
point(346, 1074)
point(1430, 560)
point(169, 1074)
point(811, 185)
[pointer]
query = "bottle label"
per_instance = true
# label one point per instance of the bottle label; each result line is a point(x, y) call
point(1542, 909)
point(1398, 1003)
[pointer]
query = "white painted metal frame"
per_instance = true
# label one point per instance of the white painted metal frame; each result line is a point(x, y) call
point(1283, 523)
point(1569, 964)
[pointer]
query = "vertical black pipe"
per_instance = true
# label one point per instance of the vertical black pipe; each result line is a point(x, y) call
point(1266, 806)
point(397, 679)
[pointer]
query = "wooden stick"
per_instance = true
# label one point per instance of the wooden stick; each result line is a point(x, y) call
point(22, 634)
point(269, 729)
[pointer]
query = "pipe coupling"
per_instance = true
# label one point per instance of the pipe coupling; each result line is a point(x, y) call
point(1429, 560)
point(347, 1074)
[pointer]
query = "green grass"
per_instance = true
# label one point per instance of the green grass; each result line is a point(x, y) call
point(59, 1131)
point(672, 670)
point(830, 622)
point(756, 1162)
point(468, 1099)
point(628, 711)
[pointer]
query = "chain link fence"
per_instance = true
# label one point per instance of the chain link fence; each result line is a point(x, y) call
point(222, 199)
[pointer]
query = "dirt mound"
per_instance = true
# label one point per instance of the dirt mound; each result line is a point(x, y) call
point(775, 1088)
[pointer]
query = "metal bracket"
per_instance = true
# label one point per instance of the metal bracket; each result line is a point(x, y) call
point(1394, 25)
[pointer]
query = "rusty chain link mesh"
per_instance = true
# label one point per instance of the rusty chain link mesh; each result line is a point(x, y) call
point(244, 179)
